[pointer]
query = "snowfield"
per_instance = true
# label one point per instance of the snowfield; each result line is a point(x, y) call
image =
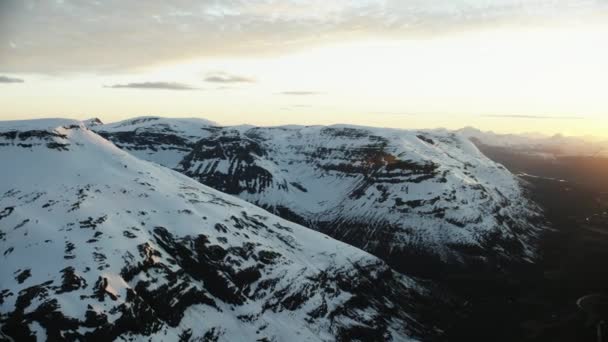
point(418, 199)
point(97, 244)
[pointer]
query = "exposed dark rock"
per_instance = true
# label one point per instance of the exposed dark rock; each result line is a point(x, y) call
point(21, 224)
point(23, 275)
point(6, 211)
point(93, 223)
point(71, 281)
point(100, 290)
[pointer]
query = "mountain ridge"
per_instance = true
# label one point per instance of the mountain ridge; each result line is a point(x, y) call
point(134, 250)
point(396, 193)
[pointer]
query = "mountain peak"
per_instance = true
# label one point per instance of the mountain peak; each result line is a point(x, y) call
point(134, 250)
point(92, 122)
point(38, 124)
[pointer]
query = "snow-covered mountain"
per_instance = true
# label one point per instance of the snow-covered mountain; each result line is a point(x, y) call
point(418, 199)
point(97, 245)
point(540, 145)
point(162, 140)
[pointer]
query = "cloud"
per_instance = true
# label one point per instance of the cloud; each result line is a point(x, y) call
point(535, 117)
point(300, 93)
point(222, 77)
point(154, 85)
point(6, 79)
point(55, 36)
point(394, 113)
point(298, 107)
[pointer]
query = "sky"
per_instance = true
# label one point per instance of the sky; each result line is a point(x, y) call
point(502, 65)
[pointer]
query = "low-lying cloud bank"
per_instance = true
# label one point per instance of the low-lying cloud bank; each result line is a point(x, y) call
point(154, 85)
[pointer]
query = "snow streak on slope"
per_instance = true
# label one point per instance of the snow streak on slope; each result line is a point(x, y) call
point(96, 244)
point(410, 197)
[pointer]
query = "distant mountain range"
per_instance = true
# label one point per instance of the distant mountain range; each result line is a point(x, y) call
point(540, 145)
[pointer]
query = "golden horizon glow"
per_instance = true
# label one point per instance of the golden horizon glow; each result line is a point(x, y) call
point(510, 79)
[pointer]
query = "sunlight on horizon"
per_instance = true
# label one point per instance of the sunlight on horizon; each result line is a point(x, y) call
point(507, 78)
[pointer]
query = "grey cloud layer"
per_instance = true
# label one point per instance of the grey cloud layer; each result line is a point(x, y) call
point(300, 93)
point(6, 79)
point(154, 85)
point(513, 116)
point(222, 77)
point(95, 36)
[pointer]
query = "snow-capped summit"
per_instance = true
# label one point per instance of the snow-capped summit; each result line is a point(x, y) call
point(50, 125)
point(414, 198)
point(168, 139)
point(99, 245)
point(92, 122)
point(155, 124)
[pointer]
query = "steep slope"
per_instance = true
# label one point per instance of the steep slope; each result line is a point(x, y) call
point(418, 199)
point(97, 245)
